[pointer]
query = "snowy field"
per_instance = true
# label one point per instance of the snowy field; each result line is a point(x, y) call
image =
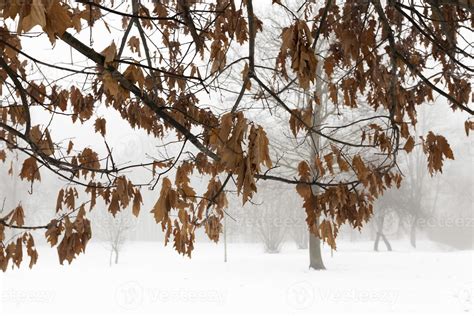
point(154, 280)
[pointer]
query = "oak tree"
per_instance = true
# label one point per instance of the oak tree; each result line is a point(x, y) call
point(162, 66)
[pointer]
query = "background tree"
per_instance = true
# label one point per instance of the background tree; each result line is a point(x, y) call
point(165, 72)
point(298, 230)
point(272, 217)
point(389, 210)
point(115, 230)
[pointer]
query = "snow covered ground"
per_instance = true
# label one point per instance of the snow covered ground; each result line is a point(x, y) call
point(151, 279)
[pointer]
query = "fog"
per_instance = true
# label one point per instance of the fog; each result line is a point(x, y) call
point(413, 256)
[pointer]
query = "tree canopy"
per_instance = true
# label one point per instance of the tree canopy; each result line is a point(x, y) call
point(195, 76)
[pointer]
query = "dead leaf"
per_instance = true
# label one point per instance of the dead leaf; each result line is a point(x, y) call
point(109, 53)
point(36, 17)
point(409, 145)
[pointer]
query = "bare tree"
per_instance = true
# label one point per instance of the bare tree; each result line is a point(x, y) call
point(270, 218)
point(115, 230)
point(299, 230)
point(161, 76)
point(380, 220)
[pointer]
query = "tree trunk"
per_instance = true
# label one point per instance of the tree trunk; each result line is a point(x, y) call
point(225, 238)
point(413, 233)
point(315, 257)
point(376, 242)
point(380, 234)
point(116, 256)
point(385, 240)
point(387, 244)
point(303, 240)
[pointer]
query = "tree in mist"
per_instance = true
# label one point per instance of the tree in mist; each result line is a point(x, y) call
point(271, 218)
point(271, 230)
point(415, 201)
point(298, 230)
point(450, 211)
point(267, 219)
point(290, 150)
point(166, 70)
point(115, 230)
point(388, 211)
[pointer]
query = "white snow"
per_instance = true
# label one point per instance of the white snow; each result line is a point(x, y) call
point(151, 279)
